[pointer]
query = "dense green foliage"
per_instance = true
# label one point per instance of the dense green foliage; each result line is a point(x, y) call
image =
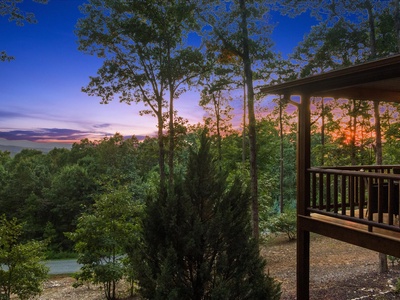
point(21, 272)
point(48, 192)
point(196, 237)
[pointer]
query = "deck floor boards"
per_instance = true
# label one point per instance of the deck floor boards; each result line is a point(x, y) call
point(358, 226)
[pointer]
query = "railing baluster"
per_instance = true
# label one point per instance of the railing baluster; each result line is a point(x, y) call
point(390, 197)
point(335, 193)
point(328, 192)
point(351, 195)
point(362, 198)
point(358, 195)
point(369, 205)
point(343, 194)
point(314, 190)
point(356, 191)
point(398, 203)
point(380, 200)
point(321, 191)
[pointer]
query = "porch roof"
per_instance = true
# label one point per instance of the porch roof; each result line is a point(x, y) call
point(375, 80)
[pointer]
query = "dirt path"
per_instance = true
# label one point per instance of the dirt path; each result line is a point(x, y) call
point(339, 271)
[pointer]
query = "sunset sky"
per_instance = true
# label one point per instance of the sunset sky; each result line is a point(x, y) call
point(40, 91)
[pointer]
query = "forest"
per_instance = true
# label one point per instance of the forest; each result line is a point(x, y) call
point(49, 191)
point(177, 211)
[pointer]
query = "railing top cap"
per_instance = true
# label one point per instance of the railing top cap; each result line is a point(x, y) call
point(360, 173)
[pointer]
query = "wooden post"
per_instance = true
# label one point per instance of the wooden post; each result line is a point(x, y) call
point(303, 198)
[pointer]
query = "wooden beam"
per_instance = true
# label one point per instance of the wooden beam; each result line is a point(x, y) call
point(359, 93)
point(380, 72)
point(362, 238)
point(303, 198)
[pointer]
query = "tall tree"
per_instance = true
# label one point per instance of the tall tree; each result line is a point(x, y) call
point(391, 126)
point(215, 101)
point(329, 47)
point(284, 71)
point(146, 57)
point(241, 27)
point(325, 121)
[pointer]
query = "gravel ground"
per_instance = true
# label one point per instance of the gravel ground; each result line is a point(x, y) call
point(339, 271)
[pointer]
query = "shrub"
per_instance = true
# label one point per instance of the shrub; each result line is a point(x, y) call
point(394, 260)
point(284, 223)
point(397, 286)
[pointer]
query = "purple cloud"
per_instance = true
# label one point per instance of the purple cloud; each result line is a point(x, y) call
point(105, 125)
point(45, 134)
point(62, 135)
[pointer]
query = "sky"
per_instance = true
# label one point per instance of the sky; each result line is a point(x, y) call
point(40, 91)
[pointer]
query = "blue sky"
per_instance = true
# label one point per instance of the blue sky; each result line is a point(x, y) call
point(40, 91)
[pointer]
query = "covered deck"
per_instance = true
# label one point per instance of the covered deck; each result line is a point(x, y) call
point(355, 204)
point(365, 198)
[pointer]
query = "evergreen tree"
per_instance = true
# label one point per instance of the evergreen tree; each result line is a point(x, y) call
point(197, 239)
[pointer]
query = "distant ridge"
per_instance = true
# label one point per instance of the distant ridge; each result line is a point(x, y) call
point(15, 147)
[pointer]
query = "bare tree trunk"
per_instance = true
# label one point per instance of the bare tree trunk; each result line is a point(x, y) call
point(371, 22)
point(378, 135)
point(397, 22)
point(161, 150)
point(281, 175)
point(323, 132)
point(171, 141)
point(252, 120)
point(383, 263)
point(353, 126)
point(244, 121)
point(217, 110)
point(171, 124)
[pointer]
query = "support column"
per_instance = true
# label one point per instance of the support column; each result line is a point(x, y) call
point(303, 198)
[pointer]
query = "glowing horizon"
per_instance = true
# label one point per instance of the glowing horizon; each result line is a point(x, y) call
point(41, 97)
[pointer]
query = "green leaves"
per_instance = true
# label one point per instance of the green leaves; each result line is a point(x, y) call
point(142, 44)
point(221, 24)
point(21, 272)
point(284, 223)
point(349, 32)
point(103, 237)
point(11, 9)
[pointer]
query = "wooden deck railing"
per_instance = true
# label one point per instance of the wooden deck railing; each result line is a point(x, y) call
point(366, 195)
